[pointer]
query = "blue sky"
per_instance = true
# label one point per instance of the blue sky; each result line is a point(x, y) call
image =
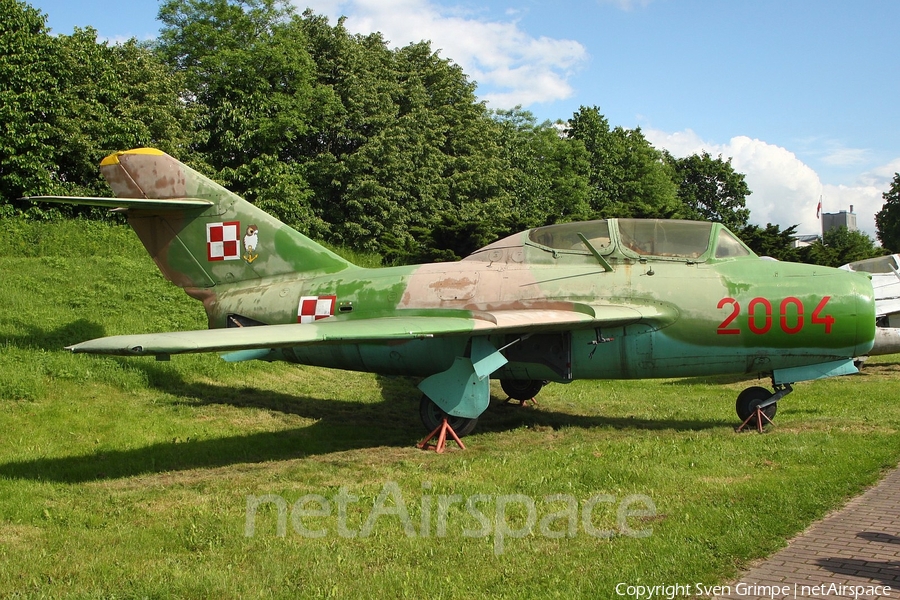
point(802, 94)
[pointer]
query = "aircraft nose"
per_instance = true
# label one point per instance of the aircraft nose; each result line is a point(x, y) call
point(865, 313)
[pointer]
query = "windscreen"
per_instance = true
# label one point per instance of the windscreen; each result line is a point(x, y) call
point(565, 235)
point(728, 246)
point(881, 264)
point(659, 237)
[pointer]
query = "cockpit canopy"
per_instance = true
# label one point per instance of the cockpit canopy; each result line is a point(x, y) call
point(631, 238)
point(879, 264)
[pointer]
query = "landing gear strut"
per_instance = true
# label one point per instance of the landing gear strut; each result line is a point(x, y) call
point(757, 406)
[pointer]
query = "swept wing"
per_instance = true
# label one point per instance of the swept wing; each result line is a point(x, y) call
point(371, 330)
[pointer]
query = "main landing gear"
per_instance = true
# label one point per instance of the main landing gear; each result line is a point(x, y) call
point(522, 390)
point(443, 426)
point(757, 406)
point(432, 417)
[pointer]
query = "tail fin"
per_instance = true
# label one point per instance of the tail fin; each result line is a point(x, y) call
point(199, 233)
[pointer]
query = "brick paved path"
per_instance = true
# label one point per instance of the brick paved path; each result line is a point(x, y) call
point(858, 545)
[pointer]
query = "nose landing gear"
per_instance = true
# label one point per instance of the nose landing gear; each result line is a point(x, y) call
point(756, 405)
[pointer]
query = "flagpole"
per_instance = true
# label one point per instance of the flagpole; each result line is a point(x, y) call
point(821, 219)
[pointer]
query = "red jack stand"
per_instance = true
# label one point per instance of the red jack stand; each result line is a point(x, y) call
point(441, 431)
point(759, 415)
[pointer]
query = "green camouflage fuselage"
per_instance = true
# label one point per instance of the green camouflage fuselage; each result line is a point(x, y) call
point(687, 338)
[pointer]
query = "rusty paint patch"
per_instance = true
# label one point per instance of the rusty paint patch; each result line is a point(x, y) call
point(454, 284)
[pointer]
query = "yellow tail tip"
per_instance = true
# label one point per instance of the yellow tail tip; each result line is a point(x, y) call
point(113, 159)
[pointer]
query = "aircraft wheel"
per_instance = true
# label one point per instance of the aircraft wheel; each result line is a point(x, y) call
point(521, 389)
point(749, 399)
point(432, 417)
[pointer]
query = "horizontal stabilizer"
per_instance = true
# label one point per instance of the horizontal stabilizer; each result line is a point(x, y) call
point(137, 203)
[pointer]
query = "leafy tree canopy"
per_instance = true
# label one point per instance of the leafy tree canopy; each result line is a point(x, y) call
point(66, 101)
point(711, 190)
point(838, 247)
point(628, 176)
point(770, 241)
point(371, 148)
point(549, 173)
point(887, 220)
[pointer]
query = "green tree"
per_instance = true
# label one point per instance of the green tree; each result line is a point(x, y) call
point(887, 220)
point(770, 241)
point(838, 247)
point(251, 86)
point(247, 74)
point(336, 134)
point(711, 190)
point(549, 173)
point(408, 154)
point(28, 103)
point(115, 97)
point(628, 176)
point(66, 101)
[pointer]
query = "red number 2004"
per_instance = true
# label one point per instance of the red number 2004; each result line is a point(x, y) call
point(760, 317)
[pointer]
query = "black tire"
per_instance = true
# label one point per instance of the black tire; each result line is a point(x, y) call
point(749, 399)
point(521, 389)
point(432, 417)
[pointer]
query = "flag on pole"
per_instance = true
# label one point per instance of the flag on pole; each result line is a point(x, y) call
point(819, 208)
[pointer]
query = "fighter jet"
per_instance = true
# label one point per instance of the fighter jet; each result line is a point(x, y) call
point(604, 299)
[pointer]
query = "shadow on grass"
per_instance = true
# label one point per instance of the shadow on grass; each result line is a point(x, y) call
point(504, 417)
point(338, 426)
point(55, 339)
point(749, 379)
point(399, 410)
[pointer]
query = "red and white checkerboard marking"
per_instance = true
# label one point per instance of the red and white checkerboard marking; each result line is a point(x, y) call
point(223, 240)
point(313, 308)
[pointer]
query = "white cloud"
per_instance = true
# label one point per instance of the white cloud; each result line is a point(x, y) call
point(785, 190)
point(831, 152)
point(510, 66)
point(626, 4)
point(840, 157)
point(881, 177)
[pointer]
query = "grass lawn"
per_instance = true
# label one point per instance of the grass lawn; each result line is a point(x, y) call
point(132, 478)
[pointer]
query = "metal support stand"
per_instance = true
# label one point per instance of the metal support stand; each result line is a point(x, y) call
point(441, 432)
point(781, 390)
point(759, 415)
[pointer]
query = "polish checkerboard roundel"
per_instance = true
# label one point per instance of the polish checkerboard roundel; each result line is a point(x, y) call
point(313, 308)
point(223, 240)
